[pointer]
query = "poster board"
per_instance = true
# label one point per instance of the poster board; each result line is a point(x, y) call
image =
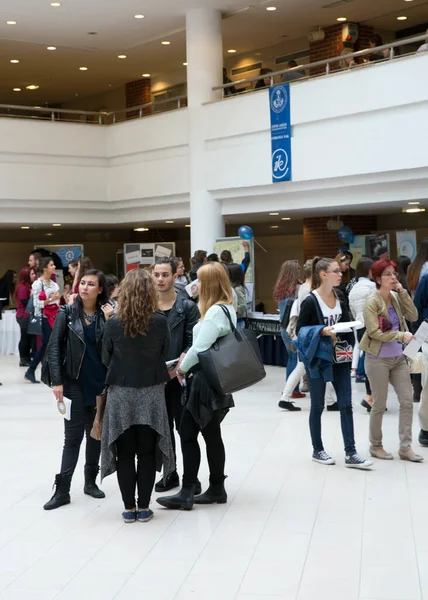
point(66, 253)
point(376, 245)
point(406, 244)
point(136, 256)
point(234, 245)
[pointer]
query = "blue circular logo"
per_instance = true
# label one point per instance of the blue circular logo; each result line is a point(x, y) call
point(279, 163)
point(279, 99)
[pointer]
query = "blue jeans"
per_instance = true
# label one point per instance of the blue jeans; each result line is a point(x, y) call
point(292, 356)
point(46, 334)
point(342, 386)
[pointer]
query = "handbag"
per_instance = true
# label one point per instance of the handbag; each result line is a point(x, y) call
point(343, 352)
point(35, 325)
point(415, 364)
point(233, 362)
point(97, 427)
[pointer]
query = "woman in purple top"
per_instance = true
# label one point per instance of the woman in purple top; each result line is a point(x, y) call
point(385, 314)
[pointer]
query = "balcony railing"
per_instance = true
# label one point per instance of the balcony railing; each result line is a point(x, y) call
point(328, 66)
point(90, 116)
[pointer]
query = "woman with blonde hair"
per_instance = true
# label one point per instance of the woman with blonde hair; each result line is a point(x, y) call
point(204, 409)
point(135, 347)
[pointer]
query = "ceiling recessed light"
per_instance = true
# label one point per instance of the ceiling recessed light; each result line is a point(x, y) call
point(56, 224)
point(185, 64)
point(51, 48)
point(83, 68)
point(25, 227)
point(341, 19)
point(169, 221)
point(274, 226)
point(138, 16)
point(16, 89)
point(413, 210)
point(286, 219)
point(274, 214)
point(10, 22)
point(141, 229)
point(165, 43)
point(32, 87)
point(402, 18)
point(122, 56)
point(232, 51)
point(271, 8)
point(49, 234)
point(55, 4)
point(145, 75)
point(15, 61)
point(413, 202)
point(187, 225)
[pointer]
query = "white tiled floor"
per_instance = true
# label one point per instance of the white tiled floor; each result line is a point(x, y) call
point(292, 529)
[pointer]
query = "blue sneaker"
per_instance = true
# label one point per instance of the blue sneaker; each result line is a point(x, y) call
point(129, 516)
point(144, 515)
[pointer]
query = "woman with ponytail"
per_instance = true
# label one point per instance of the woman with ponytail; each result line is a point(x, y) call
point(323, 308)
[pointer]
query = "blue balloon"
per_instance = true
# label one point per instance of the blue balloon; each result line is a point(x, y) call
point(245, 233)
point(346, 235)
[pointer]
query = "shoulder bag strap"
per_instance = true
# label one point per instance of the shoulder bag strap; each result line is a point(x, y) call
point(226, 312)
point(318, 309)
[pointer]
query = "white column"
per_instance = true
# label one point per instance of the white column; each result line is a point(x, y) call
point(204, 71)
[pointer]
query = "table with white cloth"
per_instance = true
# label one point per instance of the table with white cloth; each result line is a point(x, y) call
point(10, 333)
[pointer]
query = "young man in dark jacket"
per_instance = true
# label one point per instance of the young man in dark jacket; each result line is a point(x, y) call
point(183, 314)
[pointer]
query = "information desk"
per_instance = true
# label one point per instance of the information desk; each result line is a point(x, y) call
point(268, 328)
point(9, 333)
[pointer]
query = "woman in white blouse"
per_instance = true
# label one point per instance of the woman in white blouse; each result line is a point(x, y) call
point(204, 409)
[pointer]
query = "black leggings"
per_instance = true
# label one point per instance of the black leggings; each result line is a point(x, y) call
point(81, 422)
point(173, 393)
point(27, 343)
point(189, 431)
point(360, 333)
point(140, 441)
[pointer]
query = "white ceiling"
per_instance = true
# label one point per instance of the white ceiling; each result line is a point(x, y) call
point(57, 73)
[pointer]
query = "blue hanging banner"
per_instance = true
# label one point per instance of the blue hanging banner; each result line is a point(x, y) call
point(280, 127)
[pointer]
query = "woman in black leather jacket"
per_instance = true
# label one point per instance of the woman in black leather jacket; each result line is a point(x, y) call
point(75, 371)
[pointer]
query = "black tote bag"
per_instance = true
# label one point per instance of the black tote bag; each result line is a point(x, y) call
point(233, 362)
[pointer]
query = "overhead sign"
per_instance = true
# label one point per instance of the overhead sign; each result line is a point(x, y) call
point(280, 126)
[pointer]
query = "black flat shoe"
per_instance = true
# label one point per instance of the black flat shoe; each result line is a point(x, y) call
point(288, 406)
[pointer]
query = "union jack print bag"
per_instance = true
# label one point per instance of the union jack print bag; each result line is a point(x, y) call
point(342, 352)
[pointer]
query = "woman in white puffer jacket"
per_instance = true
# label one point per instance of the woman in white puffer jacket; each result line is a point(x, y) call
point(357, 298)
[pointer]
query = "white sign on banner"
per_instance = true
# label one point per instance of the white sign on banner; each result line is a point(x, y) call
point(406, 244)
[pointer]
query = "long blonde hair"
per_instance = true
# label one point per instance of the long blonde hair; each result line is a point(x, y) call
point(137, 302)
point(215, 287)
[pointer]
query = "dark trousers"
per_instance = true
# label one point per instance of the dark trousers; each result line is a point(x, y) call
point(27, 343)
point(82, 419)
point(46, 334)
point(361, 365)
point(216, 456)
point(173, 394)
point(342, 386)
point(137, 441)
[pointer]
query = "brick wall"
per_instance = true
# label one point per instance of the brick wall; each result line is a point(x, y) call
point(332, 45)
point(137, 93)
point(319, 241)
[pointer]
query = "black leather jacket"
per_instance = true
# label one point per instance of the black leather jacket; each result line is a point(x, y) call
point(182, 318)
point(136, 361)
point(66, 347)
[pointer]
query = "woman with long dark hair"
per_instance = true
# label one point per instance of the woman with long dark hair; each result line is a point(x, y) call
point(286, 290)
point(46, 297)
point(76, 372)
point(204, 409)
point(322, 309)
point(403, 264)
point(136, 426)
point(418, 267)
point(23, 295)
point(237, 280)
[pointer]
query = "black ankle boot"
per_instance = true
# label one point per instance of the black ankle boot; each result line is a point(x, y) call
point(91, 487)
point(183, 500)
point(62, 492)
point(215, 494)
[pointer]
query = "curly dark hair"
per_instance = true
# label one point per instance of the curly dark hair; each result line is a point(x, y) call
point(137, 302)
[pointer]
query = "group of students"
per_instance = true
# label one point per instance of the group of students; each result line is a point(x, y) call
point(145, 353)
point(383, 305)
